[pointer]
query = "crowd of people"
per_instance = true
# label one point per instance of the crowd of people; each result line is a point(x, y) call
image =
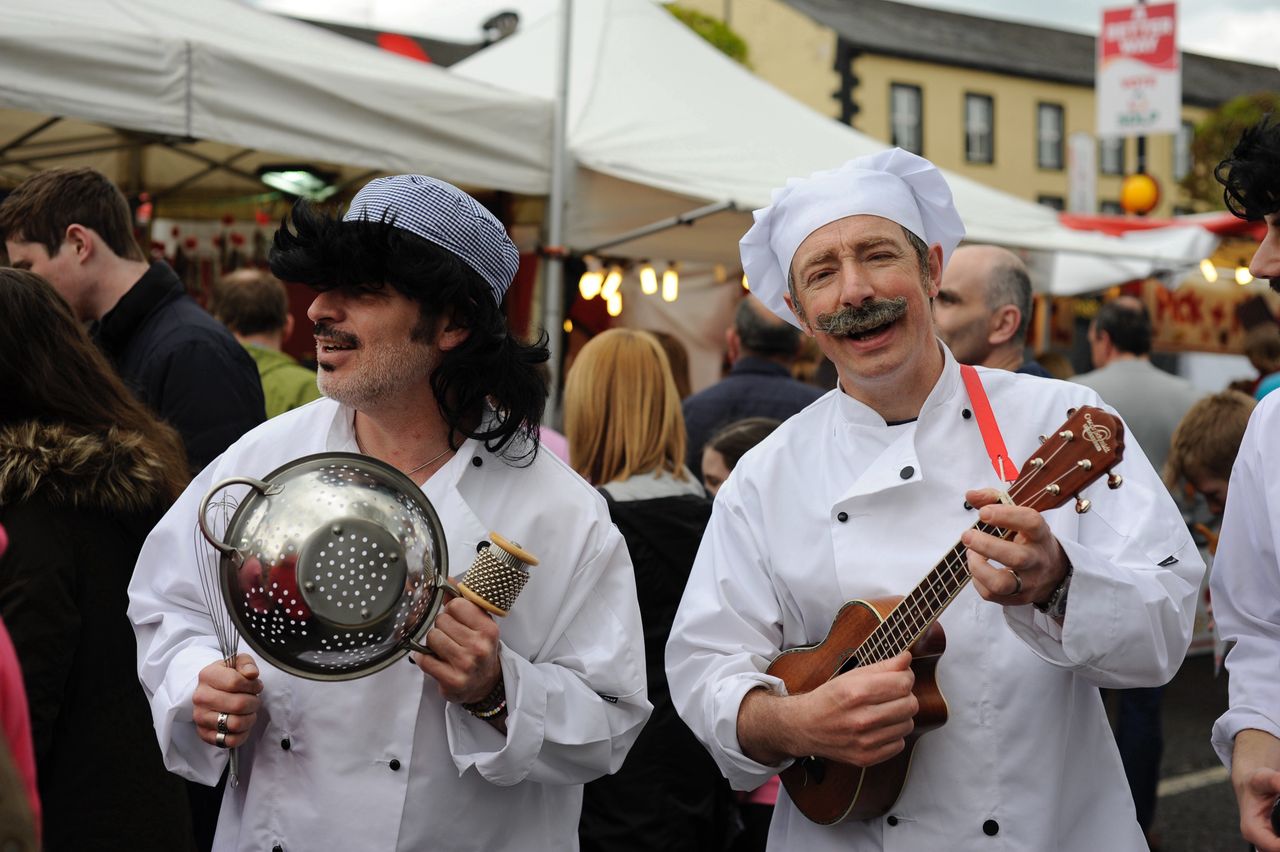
point(696, 550)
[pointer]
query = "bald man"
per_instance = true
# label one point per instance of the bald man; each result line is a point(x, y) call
point(983, 309)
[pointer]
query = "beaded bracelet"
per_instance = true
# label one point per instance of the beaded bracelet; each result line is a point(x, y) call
point(491, 705)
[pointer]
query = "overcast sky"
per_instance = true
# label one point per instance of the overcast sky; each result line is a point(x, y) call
point(1247, 30)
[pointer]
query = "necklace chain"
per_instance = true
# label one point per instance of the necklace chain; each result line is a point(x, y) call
point(426, 463)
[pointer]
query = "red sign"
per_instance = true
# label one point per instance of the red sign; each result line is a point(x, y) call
point(1147, 34)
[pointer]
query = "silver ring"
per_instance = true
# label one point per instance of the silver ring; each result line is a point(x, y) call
point(221, 739)
point(222, 723)
point(1017, 589)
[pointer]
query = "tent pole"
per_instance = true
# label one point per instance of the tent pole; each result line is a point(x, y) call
point(553, 293)
point(663, 225)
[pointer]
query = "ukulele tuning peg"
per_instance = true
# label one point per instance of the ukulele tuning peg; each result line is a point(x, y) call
point(1066, 435)
point(1114, 481)
point(1043, 439)
point(1082, 505)
point(1070, 412)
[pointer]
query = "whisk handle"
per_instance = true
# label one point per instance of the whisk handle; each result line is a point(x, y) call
point(256, 484)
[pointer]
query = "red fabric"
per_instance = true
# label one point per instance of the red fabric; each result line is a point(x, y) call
point(991, 436)
point(1223, 225)
point(16, 722)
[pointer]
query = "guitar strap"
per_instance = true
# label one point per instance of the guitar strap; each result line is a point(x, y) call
point(1000, 460)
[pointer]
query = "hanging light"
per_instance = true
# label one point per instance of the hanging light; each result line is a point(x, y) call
point(612, 283)
point(592, 280)
point(745, 285)
point(670, 284)
point(568, 326)
point(613, 304)
point(1208, 270)
point(1243, 276)
point(648, 279)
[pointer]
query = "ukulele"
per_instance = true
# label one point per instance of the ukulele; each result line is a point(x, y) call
point(1085, 447)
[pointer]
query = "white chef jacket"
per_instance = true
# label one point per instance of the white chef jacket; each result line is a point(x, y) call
point(1245, 582)
point(383, 762)
point(835, 505)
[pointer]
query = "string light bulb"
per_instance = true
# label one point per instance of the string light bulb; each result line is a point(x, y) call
point(745, 285)
point(1243, 276)
point(613, 304)
point(568, 326)
point(648, 279)
point(670, 284)
point(1208, 270)
point(612, 284)
point(590, 284)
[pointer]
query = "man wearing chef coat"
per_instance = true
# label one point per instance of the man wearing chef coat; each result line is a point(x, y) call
point(487, 744)
point(861, 494)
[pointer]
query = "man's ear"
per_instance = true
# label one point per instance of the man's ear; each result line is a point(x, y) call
point(287, 331)
point(799, 315)
point(81, 241)
point(450, 334)
point(935, 269)
point(1003, 325)
point(732, 343)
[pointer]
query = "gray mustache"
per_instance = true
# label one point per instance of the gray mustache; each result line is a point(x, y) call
point(864, 317)
point(328, 332)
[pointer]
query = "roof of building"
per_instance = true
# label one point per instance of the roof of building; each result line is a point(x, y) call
point(1005, 47)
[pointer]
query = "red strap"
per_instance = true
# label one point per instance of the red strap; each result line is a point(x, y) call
point(1000, 460)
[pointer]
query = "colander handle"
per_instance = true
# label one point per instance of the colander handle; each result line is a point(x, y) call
point(256, 484)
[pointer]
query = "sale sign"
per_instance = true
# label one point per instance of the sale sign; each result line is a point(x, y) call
point(1139, 76)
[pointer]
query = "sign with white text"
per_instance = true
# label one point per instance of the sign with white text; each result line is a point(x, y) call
point(1139, 75)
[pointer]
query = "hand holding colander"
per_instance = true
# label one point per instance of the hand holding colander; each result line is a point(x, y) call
point(335, 566)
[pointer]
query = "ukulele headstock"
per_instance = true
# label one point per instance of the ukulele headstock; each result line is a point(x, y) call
point(1081, 450)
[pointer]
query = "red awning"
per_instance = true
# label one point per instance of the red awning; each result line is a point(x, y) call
point(1223, 224)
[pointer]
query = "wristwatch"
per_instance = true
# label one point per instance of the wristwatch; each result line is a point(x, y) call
point(1056, 606)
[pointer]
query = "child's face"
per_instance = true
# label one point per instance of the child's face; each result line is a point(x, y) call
point(1213, 488)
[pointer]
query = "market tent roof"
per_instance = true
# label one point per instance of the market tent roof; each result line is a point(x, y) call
point(662, 123)
point(217, 80)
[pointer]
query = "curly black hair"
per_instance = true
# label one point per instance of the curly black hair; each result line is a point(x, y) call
point(491, 366)
point(1251, 175)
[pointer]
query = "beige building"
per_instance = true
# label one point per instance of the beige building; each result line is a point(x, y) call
point(992, 100)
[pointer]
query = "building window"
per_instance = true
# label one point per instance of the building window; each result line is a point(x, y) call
point(1054, 201)
point(1111, 156)
point(1049, 136)
point(1182, 150)
point(979, 128)
point(905, 117)
point(1111, 208)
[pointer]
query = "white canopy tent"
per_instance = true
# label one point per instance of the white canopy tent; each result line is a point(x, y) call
point(660, 123)
point(210, 90)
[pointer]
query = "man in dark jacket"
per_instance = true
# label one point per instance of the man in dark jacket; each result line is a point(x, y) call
point(72, 227)
point(762, 349)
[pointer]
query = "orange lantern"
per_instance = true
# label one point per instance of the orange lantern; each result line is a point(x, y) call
point(1140, 193)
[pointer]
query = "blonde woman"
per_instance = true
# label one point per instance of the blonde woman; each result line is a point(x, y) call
point(626, 436)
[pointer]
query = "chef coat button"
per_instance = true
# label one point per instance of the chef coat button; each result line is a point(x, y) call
point(966, 413)
point(477, 461)
point(394, 764)
point(907, 472)
point(991, 828)
point(968, 507)
point(277, 848)
point(285, 744)
point(481, 545)
point(892, 820)
point(842, 517)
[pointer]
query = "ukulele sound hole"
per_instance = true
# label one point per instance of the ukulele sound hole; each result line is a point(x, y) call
point(815, 769)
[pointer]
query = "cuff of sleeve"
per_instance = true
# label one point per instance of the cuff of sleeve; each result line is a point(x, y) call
point(185, 754)
point(474, 742)
point(1234, 721)
point(742, 772)
point(1070, 644)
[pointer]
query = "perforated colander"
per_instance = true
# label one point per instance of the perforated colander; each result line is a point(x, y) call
point(333, 566)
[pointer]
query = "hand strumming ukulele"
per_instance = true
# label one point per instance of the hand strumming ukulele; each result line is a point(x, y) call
point(1085, 447)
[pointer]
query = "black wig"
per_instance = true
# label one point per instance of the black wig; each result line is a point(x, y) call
point(1251, 175)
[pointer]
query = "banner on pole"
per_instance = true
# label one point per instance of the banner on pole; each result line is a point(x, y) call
point(1139, 75)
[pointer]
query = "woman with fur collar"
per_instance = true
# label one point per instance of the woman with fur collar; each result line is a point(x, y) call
point(85, 472)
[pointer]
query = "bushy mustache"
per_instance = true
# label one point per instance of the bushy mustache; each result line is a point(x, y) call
point(328, 332)
point(855, 319)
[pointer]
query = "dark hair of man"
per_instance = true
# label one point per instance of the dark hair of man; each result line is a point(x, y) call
point(769, 336)
point(250, 301)
point(1010, 285)
point(42, 207)
point(490, 366)
point(1251, 175)
point(1128, 326)
point(733, 441)
point(54, 374)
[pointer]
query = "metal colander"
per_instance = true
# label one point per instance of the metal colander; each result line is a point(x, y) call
point(332, 566)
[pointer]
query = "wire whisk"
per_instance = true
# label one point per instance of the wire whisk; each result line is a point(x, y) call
point(218, 515)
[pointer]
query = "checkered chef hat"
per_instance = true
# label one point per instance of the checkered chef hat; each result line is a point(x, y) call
point(441, 213)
